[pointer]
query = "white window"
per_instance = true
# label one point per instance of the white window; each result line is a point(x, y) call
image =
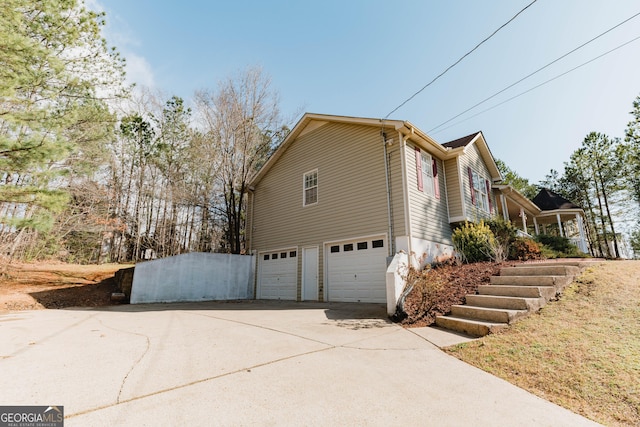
point(481, 198)
point(427, 173)
point(310, 188)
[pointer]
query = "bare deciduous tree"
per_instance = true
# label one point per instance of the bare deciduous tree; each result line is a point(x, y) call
point(240, 119)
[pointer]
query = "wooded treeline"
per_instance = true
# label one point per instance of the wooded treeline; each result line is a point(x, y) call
point(602, 177)
point(91, 171)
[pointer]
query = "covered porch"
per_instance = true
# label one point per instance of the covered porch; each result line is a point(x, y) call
point(547, 214)
point(567, 223)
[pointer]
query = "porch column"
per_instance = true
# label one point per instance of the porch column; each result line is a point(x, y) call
point(544, 228)
point(523, 215)
point(560, 225)
point(583, 237)
point(505, 209)
point(535, 224)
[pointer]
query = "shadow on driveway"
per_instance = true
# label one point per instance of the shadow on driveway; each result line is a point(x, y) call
point(332, 310)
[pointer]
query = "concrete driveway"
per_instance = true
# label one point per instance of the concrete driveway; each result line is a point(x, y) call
point(250, 363)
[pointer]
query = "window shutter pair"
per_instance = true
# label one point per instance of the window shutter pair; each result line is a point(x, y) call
point(434, 169)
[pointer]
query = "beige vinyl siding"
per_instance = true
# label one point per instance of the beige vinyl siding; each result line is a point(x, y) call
point(351, 192)
point(473, 159)
point(396, 188)
point(429, 215)
point(454, 196)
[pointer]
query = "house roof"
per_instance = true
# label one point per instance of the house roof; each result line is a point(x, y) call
point(547, 200)
point(461, 142)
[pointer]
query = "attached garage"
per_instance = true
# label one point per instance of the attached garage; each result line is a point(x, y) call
point(278, 274)
point(356, 270)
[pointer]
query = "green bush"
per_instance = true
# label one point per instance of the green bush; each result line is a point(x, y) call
point(474, 242)
point(524, 249)
point(559, 247)
point(556, 243)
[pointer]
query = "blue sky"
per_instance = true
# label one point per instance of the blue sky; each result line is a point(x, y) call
point(364, 58)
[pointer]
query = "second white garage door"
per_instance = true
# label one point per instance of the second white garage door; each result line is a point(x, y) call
point(278, 275)
point(356, 270)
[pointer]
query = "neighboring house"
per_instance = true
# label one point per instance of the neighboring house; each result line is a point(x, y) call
point(564, 216)
point(342, 195)
point(548, 213)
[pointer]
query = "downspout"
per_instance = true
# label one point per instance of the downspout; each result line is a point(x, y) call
point(250, 230)
point(392, 243)
point(250, 249)
point(405, 191)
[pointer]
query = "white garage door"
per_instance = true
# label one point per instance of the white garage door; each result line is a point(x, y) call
point(278, 275)
point(356, 270)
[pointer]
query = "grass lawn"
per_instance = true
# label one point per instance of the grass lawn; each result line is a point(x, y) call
point(581, 352)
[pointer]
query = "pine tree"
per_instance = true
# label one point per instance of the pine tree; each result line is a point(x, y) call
point(631, 152)
point(53, 65)
point(511, 177)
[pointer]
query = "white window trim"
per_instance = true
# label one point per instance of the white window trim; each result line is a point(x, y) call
point(482, 198)
point(428, 182)
point(304, 188)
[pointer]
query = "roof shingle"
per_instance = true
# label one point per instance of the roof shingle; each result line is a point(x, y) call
point(547, 200)
point(461, 142)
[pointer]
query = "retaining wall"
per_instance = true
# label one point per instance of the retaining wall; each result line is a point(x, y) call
point(194, 277)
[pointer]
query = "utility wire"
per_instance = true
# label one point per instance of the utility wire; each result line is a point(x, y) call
point(541, 84)
point(535, 72)
point(459, 60)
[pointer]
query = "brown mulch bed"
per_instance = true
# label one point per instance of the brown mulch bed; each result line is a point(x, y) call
point(452, 283)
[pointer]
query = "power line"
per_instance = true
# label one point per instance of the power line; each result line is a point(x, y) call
point(541, 84)
point(459, 60)
point(535, 72)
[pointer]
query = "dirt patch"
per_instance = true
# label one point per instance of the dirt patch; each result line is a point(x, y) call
point(437, 289)
point(34, 286)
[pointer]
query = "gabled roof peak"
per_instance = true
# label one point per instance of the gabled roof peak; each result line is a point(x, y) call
point(462, 142)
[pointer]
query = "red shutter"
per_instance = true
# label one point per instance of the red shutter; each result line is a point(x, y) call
point(489, 195)
point(473, 192)
point(419, 169)
point(436, 183)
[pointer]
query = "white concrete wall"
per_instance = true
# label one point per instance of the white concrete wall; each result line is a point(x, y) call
point(194, 277)
point(396, 279)
point(422, 252)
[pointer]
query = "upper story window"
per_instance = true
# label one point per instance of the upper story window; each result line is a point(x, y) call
point(480, 191)
point(310, 188)
point(427, 171)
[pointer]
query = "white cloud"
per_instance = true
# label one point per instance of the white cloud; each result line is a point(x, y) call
point(119, 34)
point(139, 70)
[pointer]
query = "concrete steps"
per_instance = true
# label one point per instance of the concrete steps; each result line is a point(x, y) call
point(547, 292)
point(556, 282)
point(474, 328)
point(514, 294)
point(488, 314)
